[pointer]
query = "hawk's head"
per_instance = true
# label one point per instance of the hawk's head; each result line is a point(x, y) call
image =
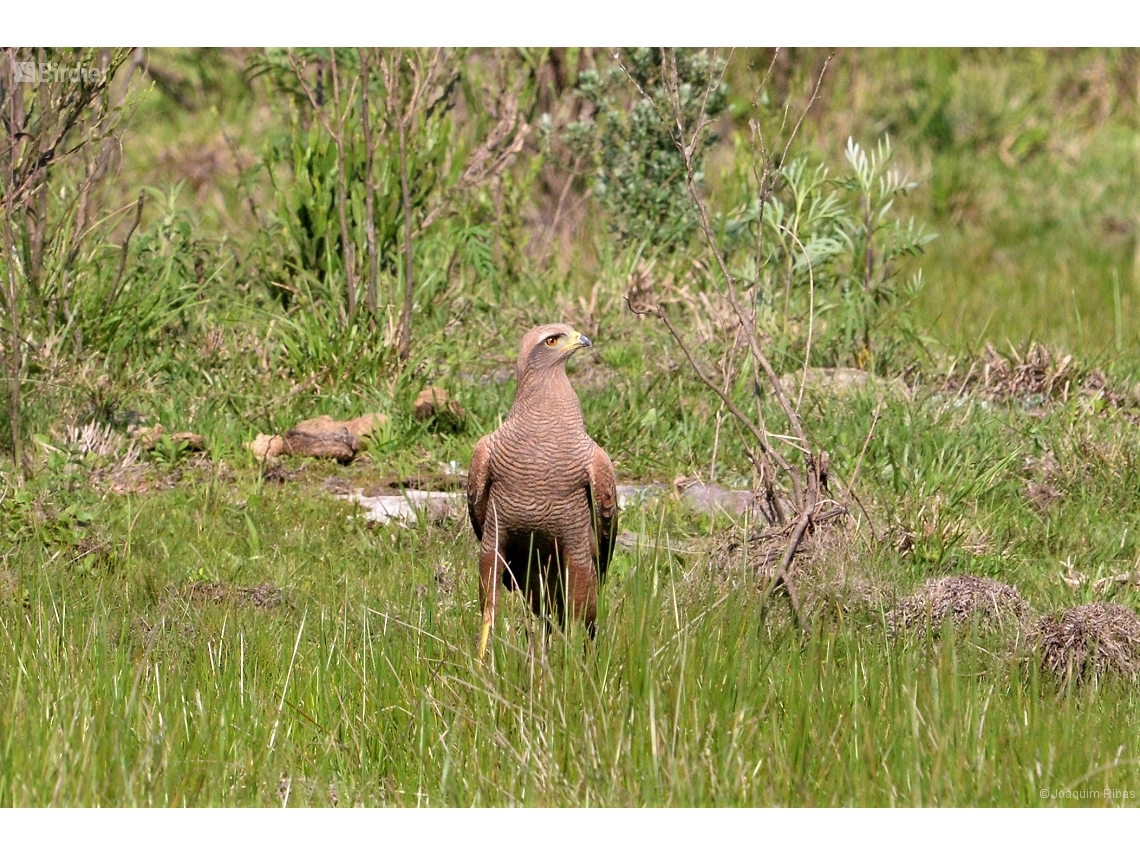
point(549, 346)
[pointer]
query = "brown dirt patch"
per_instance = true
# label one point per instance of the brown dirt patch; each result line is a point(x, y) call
point(395, 485)
point(130, 476)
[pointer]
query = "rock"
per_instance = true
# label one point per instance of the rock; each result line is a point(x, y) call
point(366, 426)
point(319, 437)
point(322, 437)
point(638, 494)
point(406, 507)
point(194, 442)
point(435, 404)
point(267, 447)
point(712, 498)
point(146, 437)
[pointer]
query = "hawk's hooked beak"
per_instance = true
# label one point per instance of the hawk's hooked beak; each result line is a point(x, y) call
point(576, 340)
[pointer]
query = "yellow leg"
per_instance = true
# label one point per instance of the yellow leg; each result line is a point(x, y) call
point(484, 636)
point(488, 595)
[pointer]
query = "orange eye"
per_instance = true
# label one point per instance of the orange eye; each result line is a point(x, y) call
point(552, 340)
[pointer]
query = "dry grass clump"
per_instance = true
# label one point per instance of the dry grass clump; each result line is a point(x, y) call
point(1089, 641)
point(962, 598)
point(840, 581)
point(96, 439)
point(1038, 377)
point(833, 575)
point(763, 550)
point(263, 596)
point(837, 576)
point(1043, 481)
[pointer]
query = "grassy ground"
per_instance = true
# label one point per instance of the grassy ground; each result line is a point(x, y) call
point(236, 642)
point(218, 637)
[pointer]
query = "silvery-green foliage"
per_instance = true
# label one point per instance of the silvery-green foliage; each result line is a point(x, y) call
point(829, 251)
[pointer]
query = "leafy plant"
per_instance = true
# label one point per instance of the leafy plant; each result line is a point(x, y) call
point(28, 516)
point(829, 272)
point(306, 169)
point(373, 161)
point(59, 145)
point(164, 291)
point(639, 175)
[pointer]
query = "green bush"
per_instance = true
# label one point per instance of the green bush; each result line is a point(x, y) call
point(302, 166)
point(639, 176)
point(824, 255)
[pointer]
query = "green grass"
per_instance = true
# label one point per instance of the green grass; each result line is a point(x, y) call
point(120, 687)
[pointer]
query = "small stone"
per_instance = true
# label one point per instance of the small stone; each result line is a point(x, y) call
point(435, 404)
point(194, 442)
point(267, 447)
point(322, 436)
point(146, 437)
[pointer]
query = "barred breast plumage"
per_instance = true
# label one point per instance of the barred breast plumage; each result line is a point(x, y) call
point(541, 494)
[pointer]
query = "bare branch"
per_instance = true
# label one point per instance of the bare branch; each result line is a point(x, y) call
point(758, 433)
point(809, 482)
point(113, 294)
point(811, 101)
point(660, 313)
point(866, 442)
point(369, 188)
point(811, 312)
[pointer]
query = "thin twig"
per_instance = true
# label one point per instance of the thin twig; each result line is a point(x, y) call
point(114, 292)
point(235, 153)
point(550, 233)
point(348, 248)
point(757, 433)
point(866, 515)
point(866, 442)
point(369, 188)
point(803, 115)
point(811, 313)
point(850, 491)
